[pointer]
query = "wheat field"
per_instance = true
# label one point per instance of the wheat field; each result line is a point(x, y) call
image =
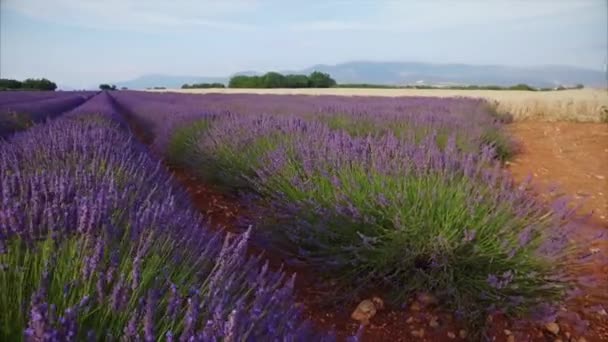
point(583, 105)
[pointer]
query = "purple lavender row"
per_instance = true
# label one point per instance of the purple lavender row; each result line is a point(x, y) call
point(471, 119)
point(13, 97)
point(97, 242)
point(19, 103)
point(101, 104)
point(18, 116)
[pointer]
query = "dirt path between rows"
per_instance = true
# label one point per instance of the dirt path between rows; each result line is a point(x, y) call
point(572, 156)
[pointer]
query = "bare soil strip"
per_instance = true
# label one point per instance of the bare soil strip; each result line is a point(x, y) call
point(572, 156)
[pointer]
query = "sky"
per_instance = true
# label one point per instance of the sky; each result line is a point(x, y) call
point(85, 42)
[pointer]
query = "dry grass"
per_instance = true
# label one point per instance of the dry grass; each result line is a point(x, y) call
point(585, 105)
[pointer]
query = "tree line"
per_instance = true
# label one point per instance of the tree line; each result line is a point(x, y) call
point(28, 84)
point(203, 85)
point(276, 80)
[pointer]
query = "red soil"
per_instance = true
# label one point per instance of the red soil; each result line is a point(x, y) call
point(574, 156)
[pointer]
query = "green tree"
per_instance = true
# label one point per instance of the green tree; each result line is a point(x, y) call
point(105, 86)
point(277, 80)
point(273, 80)
point(296, 81)
point(319, 79)
point(242, 81)
point(203, 85)
point(6, 83)
point(38, 84)
point(522, 86)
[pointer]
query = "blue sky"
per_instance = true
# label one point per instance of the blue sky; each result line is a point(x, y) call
point(84, 42)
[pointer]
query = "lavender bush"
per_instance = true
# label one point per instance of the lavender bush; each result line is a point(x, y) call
point(23, 112)
point(27, 96)
point(97, 243)
point(408, 213)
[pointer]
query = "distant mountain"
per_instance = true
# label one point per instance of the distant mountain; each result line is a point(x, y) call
point(248, 73)
point(167, 81)
point(396, 73)
point(402, 73)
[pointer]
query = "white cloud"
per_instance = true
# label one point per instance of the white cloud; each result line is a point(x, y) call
point(148, 15)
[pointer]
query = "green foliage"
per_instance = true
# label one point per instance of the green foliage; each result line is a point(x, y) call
point(182, 142)
point(296, 81)
point(273, 80)
point(245, 82)
point(28, 84)
point(320, 80)
point(64, 262)
point(522, 86)
point(203, 85)
point(231, 166)
point(411, 222)
point(105, 86)
point(504, 147)
point(14, 122)
point(277, 80)
point(6, 83)
point(369, 86)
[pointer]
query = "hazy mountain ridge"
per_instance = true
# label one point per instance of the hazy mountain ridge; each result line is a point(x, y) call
point(168, 81)
point(402, 73)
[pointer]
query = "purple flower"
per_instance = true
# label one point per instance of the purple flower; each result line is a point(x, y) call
point(151, 303)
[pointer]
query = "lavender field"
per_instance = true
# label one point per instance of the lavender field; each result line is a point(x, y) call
point(392, 196)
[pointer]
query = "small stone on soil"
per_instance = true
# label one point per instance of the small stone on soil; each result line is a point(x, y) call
point(462, 334)
point(367, 309)
point(451, 335)
point(508, 332)
point(511, 338)
point(415, 306)
point(418, 333)
point(433, 323)
point(426, 298)
point(552, 328)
